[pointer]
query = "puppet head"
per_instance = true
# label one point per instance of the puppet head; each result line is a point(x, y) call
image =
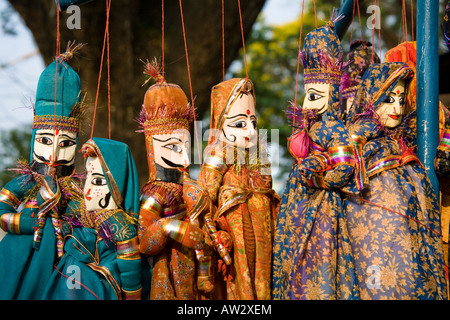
point(111, 179)
point(356, 63)
point(233, 114)
point(322, 64)
point(406, 52)
point(165, 118)
point(382, 93)
point(57, 114)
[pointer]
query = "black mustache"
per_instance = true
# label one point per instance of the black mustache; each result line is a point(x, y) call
point(170, 163)
point(43, 159)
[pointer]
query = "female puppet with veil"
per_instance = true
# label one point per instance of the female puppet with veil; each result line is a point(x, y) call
point(394, 222)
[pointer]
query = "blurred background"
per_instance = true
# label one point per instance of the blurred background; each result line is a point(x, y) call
point(271, 28)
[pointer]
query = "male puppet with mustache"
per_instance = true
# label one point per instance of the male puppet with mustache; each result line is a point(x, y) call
point(32, 205)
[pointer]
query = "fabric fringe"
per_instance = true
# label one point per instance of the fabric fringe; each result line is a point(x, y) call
point(71, 50)
point(300, 117)
point(153, 71)
point(169, 192)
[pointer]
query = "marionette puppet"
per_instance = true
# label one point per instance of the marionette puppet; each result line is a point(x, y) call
point(33, 204)
point(236, 175)
point(312, 252)
point(356, 61)
point(165, 231)
point(394, 223)
point(102, 253)
point(407, 52)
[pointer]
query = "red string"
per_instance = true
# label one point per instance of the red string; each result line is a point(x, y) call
point(359, 18)
point(412, 20)
point(390, 210)
point(58, 52)
point(56, 267)
point(373, 33)
point(405, 25)
point(379, 33)
point(298, 60)
point(242, 34)
point(315, 14)
point(353, 17)
point(223, 40)
point(101, 66)
point(190, 82)
point(108, 6)
point(162, 35)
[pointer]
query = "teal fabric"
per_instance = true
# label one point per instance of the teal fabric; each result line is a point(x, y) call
point(84, 253)
point(24, 271)
point(68, 92)
point(64, 4)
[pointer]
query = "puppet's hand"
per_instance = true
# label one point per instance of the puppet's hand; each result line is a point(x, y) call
point(18, 223)
point(223, 244)
point(49, 190)
point(185, 233)
point(313, 164)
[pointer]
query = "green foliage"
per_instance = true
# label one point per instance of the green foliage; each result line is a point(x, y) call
point(14, 144)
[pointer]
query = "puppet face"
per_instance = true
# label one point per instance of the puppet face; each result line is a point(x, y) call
point(97, 195)
point(172, 150)
point(239, 128)
point(317, 95)
point(55, 147)
point(392, 109)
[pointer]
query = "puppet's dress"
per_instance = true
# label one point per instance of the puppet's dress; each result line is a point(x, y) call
point(173, 273)
point(101, 260)
point(25, 270)
point(395, 223)
point(312, 252)
point(246, 208)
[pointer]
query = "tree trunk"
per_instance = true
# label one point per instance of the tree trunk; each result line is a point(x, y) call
point(135, 35)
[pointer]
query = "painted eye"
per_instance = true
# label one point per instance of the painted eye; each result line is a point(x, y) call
point(254, 124)
point(174, 147)
point(402, 101)
point(66, 143)
point(389, 99)
point(314, 96)
point(44, 140)
point(98, 181)
point(238, 124)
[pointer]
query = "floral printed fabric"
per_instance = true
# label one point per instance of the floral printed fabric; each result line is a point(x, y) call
point(394, 223)
point(395, 231)
point(312, 251)
point(245, 199)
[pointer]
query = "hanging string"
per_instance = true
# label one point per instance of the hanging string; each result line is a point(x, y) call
point(315, 14)
point(223, 41)
point(58, 52)
point(353, 17)
point(373, 32)
point(190, 83)
point(412, 20)
point(242, 34)
point(379, 33)
point(108, 3)
point(162, 36)
point(298, 61)
point(359, 18)
point(405, 25)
